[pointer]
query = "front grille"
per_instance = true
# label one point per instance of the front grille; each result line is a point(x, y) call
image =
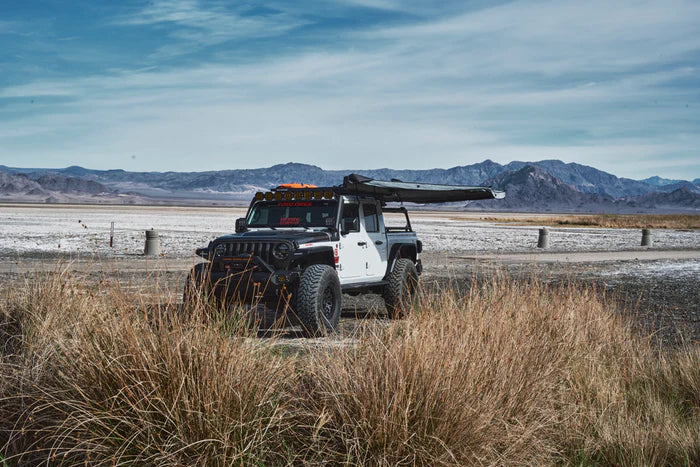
point(260, 249)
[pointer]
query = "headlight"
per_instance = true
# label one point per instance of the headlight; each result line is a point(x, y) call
point(220, 249)
point(281, 251)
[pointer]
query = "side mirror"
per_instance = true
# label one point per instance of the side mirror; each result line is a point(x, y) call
point(241, 225)
point(348, 225)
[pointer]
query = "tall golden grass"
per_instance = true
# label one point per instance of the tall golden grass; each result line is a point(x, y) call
point(506, 372)
point(611, 221)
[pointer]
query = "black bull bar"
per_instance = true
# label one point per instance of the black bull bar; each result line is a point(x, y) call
point(249, 279)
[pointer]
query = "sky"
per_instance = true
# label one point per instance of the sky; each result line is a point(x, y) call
point(189, 85)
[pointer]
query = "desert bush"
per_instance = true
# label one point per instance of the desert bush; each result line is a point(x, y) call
point(475, 378)
point(504, 371)
point(510, 373)
point(102, 381)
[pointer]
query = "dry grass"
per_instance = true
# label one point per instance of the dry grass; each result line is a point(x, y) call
point(506, 373)
point(97, 379)
point(611, 221)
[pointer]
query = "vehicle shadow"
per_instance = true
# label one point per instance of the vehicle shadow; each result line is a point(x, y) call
point(268, 323)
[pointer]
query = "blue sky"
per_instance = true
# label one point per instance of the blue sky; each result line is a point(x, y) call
point(205, 85)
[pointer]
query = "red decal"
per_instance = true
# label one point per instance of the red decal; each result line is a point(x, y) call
point(289, 221)
point(295, 205)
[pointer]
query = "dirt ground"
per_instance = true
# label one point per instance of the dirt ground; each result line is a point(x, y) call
point(659, 290)
point(658, 287)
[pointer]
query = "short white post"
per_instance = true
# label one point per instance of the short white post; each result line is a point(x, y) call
point(152, 247)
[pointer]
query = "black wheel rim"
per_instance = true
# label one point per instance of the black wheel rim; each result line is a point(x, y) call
point(327, 303)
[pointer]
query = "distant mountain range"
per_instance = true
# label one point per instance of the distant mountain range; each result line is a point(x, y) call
point(52, 188)
point(549, 185)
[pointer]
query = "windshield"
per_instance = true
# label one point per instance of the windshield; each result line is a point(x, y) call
point(293, 214)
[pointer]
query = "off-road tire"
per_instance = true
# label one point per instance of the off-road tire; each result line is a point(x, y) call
point(198, 289)
point(319, 300)
point(401, 289)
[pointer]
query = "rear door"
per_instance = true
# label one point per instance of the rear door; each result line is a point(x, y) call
point(375, 250)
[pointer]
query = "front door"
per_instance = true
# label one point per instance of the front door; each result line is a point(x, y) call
point(351, 261)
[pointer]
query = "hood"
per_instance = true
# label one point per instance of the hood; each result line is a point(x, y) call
point(300, 236)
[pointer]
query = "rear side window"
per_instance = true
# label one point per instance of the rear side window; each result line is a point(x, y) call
point(370, 214)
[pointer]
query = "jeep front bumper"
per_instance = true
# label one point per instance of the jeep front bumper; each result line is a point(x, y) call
point(249, 279)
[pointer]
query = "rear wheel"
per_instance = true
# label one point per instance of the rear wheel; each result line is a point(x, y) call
point(319, 300)
point(401, 289)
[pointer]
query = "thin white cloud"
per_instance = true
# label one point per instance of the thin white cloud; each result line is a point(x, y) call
point(8, 27)
point(561, 36)
point(194, 24)
point(378, 4)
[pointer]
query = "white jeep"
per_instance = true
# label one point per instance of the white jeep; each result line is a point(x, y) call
point(302, 247)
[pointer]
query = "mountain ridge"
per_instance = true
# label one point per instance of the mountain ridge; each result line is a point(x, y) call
point(570, 186)
point(52, 188)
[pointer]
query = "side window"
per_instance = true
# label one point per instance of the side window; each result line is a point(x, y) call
point(351, 218)
point(369, 211)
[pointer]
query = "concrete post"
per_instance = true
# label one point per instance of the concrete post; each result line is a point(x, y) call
point(543, 240)
point(152, 247)
point(646, 237)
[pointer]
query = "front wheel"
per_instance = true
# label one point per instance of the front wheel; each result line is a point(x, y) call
point(198, 289)
point(401, 289)
point(319, 300)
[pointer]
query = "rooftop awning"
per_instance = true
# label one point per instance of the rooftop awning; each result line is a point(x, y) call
point(411, 192)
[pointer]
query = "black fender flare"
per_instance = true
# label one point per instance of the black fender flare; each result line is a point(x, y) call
point(314, 255)
point(400, 250)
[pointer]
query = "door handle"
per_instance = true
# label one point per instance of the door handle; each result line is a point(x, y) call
point(361, 243)
point(379, 242)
